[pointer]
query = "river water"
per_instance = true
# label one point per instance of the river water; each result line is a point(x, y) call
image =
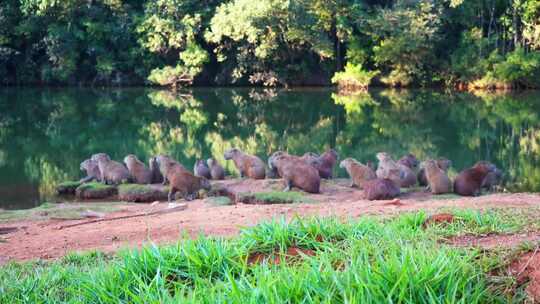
point(46, 133)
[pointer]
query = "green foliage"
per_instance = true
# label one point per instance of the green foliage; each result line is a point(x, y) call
point(520, 68)
point(353, 78)
point(266, 42)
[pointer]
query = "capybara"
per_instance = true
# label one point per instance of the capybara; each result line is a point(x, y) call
point(140, 174)
point(469, 181)
point(437, 178)
point(91, 168)
point(183, 181)
point(409, 160)
point(405, 179)
point(327, 162)
point(201, 169)
point(157, 177)
point(216, 170)
point(309, 158)
point(112, 172)
point(443, 163)
point(380, 189)
point(163, 163)
point(296, 172)
point(358, 172)
point(248, 165)
point(492, 179)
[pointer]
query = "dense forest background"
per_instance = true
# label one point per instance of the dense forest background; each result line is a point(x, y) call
point(397, 43)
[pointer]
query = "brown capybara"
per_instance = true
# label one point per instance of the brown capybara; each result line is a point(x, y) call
point(183, 181)
point(92, 171)
point(358, 172)
point(492, 179)
point(201, 169)
point(405, 179)
point(296, 172)
point(409, 160)
point(112, 172)
point(309, 158)
point(438, 181)
point(140, 174)
point(157, 178)
point(327, 162)
point(163, 163)
point(381, 189)
point(443, 163)
point(248, 165)
point(216, 170)
point(469, 181)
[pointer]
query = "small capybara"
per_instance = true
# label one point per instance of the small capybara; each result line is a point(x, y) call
point(112, 172)
point(216, 170)
point(381, 189)
point(157, 178)
point(296, 172)
point(443, 163)
point(91, 168)
point(409, 160)
point(469, 181)
point(163, 163)
point(327, 162)
point(183, 181)
point(140, 174)
point(438, 181)
point(201, 169)
point(248, 165)
point(405, 179)
point(358, 172)
point(492, 179)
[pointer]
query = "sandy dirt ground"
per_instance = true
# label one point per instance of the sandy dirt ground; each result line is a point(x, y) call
point(24, 240)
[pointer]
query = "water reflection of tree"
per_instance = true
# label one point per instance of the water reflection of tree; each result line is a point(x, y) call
point(45, 134)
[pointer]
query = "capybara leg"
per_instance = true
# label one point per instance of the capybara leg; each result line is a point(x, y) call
point(190, 196)
point(170, 197)
point(288, 186)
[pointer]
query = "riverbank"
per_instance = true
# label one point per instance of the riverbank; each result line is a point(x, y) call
point(46, 238)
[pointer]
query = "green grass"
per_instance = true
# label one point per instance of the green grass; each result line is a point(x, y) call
point(62, 211)
point(95, 186)
point(275, 197)
point(69, 184)
point(219, 201)
point(368, 260)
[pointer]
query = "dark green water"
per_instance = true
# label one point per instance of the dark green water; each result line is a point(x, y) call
point(46, 133)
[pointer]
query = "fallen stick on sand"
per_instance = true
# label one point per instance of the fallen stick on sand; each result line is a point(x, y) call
point(179, 207)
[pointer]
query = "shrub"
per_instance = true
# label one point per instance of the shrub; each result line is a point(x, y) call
point(353, 78)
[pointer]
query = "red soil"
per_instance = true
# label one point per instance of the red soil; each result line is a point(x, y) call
point(43, 239)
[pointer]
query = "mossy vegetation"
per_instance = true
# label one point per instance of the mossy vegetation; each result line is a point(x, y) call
point(95, 190)
point(274, 197)
point(142, 193)
point(219, 201)
point(366, 260)
point(59, 211)
point(68, 187)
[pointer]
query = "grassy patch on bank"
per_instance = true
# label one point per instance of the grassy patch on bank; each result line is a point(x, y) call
point(219, 201)
point(61, 211)
point(95, 186)
point(368, 260)
point(274, 197)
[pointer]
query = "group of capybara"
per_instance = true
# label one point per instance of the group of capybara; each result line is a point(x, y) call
point(303, 172)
